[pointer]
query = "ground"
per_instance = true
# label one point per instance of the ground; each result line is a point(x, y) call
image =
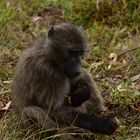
point(113, 58)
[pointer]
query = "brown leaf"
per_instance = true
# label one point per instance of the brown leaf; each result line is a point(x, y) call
point(136, 77)
point(7, 106)
point(55, 11)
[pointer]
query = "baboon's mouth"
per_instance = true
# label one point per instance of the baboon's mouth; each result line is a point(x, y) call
point(74, 75)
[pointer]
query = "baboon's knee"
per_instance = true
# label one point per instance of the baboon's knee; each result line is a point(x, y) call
point(37, 116)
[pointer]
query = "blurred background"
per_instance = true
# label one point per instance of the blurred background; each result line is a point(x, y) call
point(112, 28)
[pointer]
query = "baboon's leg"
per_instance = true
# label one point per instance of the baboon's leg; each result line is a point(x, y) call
point(88, 122)
point(95, 103)
point(36, 116)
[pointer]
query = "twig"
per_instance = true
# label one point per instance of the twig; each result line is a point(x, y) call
point(126, 51)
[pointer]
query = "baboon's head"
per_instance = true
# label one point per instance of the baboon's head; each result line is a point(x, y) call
point(69, 45)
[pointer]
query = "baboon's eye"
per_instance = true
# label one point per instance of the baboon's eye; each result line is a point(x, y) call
point(76, 52)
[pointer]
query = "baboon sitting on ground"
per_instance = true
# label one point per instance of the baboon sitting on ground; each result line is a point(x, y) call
point(50, 84)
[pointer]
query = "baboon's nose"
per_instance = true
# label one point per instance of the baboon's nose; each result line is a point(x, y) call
point(77, 73)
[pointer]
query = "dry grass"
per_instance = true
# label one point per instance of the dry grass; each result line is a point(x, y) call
point(112, 28)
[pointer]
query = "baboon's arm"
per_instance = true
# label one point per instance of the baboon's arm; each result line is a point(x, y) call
point(90, 94)
point(79, 96)
point(88, 122)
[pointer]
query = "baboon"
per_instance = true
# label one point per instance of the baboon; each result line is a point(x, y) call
point(50, 84)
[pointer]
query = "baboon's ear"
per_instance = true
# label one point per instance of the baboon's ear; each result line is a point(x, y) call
point(51, 31)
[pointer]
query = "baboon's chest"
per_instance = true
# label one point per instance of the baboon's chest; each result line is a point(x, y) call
point(58, 96)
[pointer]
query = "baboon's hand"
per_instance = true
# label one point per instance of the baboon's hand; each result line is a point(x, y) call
point(106, 126)
point(79, 96)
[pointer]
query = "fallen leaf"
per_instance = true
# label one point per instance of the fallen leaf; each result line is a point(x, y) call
point(136, 77)
point(55, 11)
point(113, 56)
point(7, 106)
point(7, 82)
point(120, 88)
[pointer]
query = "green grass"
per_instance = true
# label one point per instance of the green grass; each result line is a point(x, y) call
point(112, 29)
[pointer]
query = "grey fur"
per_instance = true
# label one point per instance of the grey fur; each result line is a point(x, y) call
point(40, 85)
